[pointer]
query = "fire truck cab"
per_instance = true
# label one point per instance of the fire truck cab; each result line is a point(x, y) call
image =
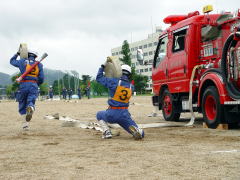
point(196, 67)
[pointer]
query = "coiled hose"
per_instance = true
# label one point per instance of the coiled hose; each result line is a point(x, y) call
point(231, 42)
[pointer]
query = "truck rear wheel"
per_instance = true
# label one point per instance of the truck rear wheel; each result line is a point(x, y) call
point(213, 111)
point(169, 107)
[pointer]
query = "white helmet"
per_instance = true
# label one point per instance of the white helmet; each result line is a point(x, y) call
point(126, 68)
point(32, 52)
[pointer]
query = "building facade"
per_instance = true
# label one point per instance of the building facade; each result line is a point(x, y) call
point(148, 46)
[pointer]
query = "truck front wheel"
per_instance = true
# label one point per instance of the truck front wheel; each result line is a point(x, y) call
point(213, 111)
point(169, 107)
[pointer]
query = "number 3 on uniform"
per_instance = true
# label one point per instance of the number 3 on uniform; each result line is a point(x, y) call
point(122, 94)
point(34, 72)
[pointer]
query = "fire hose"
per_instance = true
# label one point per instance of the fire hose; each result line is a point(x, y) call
point(191, 122)
point(112, 67)
point(230, 44)
point(24, 54)
point(23, 51)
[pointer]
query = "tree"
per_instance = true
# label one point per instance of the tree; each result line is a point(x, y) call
point(44, 89)
point(86, 79)
point(15, 84)
point(98, 89)
point(140, 83)
point(56, 87)
point(139, 80)
point(126, 59)
point(9, 91)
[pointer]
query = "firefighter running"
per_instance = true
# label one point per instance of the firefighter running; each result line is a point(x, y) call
point(120, 90)
point(28, 86)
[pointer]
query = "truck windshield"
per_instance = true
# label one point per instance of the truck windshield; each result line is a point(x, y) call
point(161, 51)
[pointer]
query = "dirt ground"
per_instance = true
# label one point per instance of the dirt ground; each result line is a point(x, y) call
point(50, 151)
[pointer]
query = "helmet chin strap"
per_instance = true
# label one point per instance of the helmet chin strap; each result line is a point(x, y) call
point(31, 58)
point(126, 74)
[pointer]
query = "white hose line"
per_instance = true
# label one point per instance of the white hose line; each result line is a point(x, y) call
point(69, 122)
point(191, 122)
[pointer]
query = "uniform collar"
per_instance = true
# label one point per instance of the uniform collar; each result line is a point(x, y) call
point(31, 58)
point(124, 78)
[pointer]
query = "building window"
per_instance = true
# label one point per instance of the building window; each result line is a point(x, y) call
point(151, 61)
point(150, 85)
point(145, 46)
point(146, 70)
point(140, 47)
point(136, 48)
point(150, 69)
point(137, 63)
point(116, 53)
point(132, 49)
point(155, 43)
point(145, 54)
point(141, 70)
point(150, 53)
point(137, 71)
point(133, 64)
point(113, 54)
point(150, 45)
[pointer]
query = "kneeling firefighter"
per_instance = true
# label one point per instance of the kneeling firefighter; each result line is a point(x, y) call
point(120, 90)
point(28, 89)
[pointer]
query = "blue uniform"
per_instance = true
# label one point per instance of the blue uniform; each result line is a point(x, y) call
point(119, 116)
point(64, 93)
point(51, 93)
point(88, 92)
point(79, 93)
point(28, 89)
point(70, 94)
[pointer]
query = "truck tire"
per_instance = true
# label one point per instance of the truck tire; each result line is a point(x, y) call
point(169, 107)
point(213, 111)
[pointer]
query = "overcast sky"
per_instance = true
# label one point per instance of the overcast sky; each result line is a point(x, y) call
point(79, 34)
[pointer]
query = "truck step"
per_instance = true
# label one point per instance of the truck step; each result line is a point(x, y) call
point(231, 102)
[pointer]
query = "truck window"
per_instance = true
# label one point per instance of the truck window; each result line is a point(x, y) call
point(179, 40)
point(209, 33)
point(161, 51)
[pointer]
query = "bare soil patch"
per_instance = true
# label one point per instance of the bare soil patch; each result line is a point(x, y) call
point(50, 151)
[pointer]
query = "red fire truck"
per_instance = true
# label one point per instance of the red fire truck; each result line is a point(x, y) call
point(196, 67)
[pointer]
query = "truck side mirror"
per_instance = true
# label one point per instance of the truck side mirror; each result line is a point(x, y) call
point(140, 56)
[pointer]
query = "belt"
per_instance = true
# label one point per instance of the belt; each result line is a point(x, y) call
point(111, 107)
point(33, 81)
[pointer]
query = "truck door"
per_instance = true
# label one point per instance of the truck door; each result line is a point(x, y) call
point(177, 60)
point(159, 71)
